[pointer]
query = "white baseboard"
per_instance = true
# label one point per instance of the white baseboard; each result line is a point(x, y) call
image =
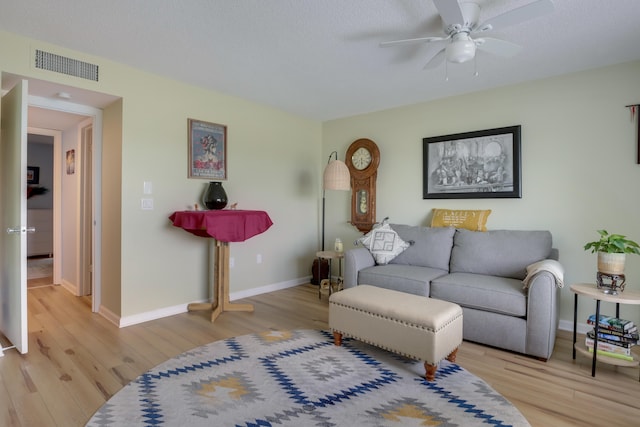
point(151, 315)
point(109, 315)
point(182, 308)
point(73, 289)
point(567, 325)
point(268, 288)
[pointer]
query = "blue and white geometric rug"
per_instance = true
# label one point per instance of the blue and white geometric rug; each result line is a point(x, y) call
point(299, 378)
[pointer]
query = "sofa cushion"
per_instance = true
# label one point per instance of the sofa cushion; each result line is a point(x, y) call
point(384, 243)
point(404, 278)
point(474, 220)
point(430, 247)
point(504, 253)
point(489, 293)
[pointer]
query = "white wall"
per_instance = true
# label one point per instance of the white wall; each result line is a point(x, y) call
point(579, 171)
point(274, 164)
point(69, 212)
point(575, 129)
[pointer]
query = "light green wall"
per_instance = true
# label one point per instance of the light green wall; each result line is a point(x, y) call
point(274, 164)
point(575, 132)
point(579, 170)
point(111, 244)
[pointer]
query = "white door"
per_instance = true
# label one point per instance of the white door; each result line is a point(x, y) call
point(13, 217)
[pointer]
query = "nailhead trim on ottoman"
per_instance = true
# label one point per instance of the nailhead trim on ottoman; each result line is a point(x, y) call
point(414, 326)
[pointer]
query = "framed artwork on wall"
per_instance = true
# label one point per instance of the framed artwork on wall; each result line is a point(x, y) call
point(33, 175)
point(71, 162)
point(207, 150)
point(472, 165)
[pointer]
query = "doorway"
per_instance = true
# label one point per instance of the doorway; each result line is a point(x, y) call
point(73, 212)
point(24, 94)
point(40, 188)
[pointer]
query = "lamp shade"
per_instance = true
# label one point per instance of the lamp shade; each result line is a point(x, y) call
point(336, 176)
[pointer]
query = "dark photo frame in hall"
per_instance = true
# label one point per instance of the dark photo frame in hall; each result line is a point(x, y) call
point(473, 165)
point(33, 175)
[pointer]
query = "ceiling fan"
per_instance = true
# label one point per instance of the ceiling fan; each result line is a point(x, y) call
point(463, 32)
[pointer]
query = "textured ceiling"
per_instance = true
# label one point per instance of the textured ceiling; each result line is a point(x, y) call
point(321, 58)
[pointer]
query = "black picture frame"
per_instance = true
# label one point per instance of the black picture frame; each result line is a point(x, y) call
point(482, 164)
point(33, 175)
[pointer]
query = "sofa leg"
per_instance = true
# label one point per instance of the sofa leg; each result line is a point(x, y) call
point(452, 356)
point(430, 371)
point(337, 338)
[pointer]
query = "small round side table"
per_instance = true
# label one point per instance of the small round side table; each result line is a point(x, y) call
point(590, 290)
point(327, 283)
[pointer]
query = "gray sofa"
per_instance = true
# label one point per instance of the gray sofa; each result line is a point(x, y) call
point(482, 272)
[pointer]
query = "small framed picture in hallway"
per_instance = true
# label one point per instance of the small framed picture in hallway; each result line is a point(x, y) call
point(33, 175)
point(71, 162)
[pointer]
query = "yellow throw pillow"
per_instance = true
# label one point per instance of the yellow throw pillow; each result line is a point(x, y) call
point(473, 220)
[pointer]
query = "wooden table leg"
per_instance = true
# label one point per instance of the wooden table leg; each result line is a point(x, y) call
point(220, 288)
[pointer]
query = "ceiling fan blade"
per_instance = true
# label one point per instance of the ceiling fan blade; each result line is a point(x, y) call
point(497, 46)
point(450, 11)
point(515, 16)
point(435, 56)
point(411, 41)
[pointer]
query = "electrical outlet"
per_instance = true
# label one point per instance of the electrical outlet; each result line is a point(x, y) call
point(259, 258)
point(232, 262)
point(147, 204)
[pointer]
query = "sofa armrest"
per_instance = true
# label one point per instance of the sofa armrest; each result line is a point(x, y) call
point(355, 260)
point(542, 315)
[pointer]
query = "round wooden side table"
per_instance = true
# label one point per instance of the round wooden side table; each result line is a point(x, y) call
point(328, 284)
point(590, 290)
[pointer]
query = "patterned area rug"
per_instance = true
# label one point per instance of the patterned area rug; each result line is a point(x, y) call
point(299, 378)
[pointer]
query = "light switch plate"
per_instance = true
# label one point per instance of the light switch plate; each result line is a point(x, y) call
point(147, 187)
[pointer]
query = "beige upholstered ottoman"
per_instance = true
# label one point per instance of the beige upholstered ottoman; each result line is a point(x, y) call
point(415, 326)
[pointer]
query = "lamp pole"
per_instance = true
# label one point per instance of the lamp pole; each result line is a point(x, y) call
point(323, 196)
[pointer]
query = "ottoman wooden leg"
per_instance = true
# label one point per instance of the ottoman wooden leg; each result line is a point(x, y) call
point(452, 356)
point(337, 338)
point(430, 371)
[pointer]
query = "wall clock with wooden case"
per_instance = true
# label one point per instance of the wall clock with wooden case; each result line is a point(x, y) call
point(363, 159)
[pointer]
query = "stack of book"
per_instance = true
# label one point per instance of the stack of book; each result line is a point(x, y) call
point(615, 336)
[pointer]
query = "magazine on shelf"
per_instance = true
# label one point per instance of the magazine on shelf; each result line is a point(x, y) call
point(610, 322)
point(617, 339)
point(605, 346)
point(614, 355)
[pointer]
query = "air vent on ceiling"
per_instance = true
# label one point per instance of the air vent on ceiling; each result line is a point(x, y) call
point(60, 64)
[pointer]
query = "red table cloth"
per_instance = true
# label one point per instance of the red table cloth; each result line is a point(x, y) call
point(223, 225)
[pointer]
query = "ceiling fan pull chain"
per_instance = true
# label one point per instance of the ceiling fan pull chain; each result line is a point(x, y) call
point(446, 71)
point(475, 66)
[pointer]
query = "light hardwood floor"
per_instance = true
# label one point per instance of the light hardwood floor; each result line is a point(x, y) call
point(77, 360)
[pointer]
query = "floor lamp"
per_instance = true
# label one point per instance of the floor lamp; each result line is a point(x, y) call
point(336, 177)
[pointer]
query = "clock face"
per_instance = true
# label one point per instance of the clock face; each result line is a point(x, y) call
point(361, 158)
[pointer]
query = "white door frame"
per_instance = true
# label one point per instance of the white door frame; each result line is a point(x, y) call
point(85, 216)
point(96, 115)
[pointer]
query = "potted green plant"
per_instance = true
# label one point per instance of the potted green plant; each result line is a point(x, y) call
point(612, 250)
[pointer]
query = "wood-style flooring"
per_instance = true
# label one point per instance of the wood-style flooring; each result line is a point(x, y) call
point(77, 360)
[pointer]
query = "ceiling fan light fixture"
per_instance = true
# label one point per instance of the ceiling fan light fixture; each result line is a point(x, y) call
point(461, 49)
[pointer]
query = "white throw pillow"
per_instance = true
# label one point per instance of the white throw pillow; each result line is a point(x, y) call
point(383, 243)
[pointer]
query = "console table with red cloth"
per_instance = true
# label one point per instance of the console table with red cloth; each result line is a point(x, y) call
point(222, 227)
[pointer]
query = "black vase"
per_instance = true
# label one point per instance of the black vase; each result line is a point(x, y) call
point(215, 197)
